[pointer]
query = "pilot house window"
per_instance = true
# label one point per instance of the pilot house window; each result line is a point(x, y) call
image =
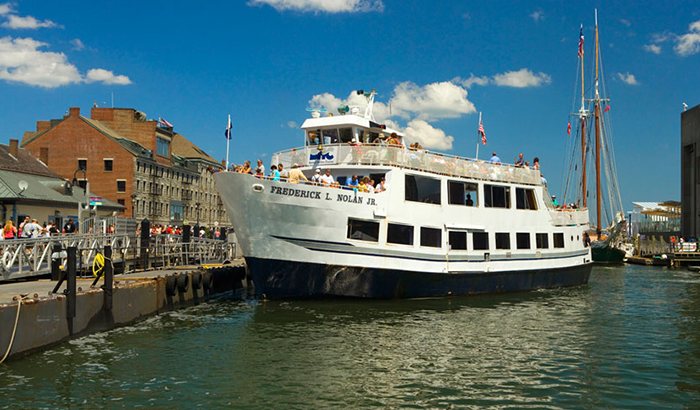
point(525, 199)
point(462, 193)
point(496, 196)
point(422, 189)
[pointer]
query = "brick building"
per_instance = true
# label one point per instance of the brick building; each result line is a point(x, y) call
point(151, 170)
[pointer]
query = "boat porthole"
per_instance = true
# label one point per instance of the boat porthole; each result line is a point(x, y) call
point(572, 238)
point(577, 238)
point(258, 187)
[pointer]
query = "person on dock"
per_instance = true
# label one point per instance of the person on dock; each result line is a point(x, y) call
point(69, 227)
point(9, 231)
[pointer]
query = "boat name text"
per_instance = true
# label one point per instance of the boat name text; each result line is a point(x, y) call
point(339, 197)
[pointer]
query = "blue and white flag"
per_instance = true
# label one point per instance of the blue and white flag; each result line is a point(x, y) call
point(228, 128)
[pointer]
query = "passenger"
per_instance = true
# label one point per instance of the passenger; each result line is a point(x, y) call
point(316, 179)
point(527, 164)
point(9, 231)
point(394, 140)
point(536, 163)
point(370, 186)
point(554, 201)
point(381, 186)
point(295, 175)
point(586, 240)
point(284, 174)
point(469, 201)
point(354, 182)
point(274, 173)
point(245, 169)
point(327, 178)
point(495, 159)
point(260, 168)
point(520, 161)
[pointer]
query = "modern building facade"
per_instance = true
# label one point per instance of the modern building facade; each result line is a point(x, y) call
point(690, 172)
point(141, 164)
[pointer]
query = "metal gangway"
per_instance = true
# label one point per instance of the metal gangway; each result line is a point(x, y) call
point(23, 258)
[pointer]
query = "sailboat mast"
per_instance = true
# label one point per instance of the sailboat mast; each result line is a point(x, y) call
point(582, 117)
point(596, 104)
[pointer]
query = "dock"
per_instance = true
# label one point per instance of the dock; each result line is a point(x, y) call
point(33, 317)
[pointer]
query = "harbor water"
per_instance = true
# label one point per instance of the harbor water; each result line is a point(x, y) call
point(629, 339)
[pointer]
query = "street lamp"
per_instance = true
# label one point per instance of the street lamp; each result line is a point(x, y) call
point(196, 227)
point(85, 193)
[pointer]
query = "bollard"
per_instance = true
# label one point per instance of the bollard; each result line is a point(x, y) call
point(145, 242)
point(186, 238)
point(70, 291)
point(224, 231)
point(56, 262)
point(108, 286)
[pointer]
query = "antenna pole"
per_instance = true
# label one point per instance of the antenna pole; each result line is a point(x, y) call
point(112, 99)
point(228, 140)
point(596, 105)
point(582, 117)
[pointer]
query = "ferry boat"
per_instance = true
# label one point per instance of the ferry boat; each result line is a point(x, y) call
point(443, 225)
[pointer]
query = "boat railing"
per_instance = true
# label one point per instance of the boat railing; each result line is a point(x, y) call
point(569, 216)
point(398, 156)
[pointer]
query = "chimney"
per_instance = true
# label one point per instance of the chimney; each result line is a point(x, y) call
point(74, 111)
point(14, 148)
point(42, 126)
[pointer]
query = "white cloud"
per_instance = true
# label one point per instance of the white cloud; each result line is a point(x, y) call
point(23, 61)
point(322, 6)
point(625, 22)
point(27, 22)
point(537, 15)
point(689, 43)
point(292, 124)
point(431, 101)
point(428, 136)
point(521, 79)
point(627, 78)
point(473, 79)
point(77, 44)
point(653, 48)
point(5, 8)
point(105, 76)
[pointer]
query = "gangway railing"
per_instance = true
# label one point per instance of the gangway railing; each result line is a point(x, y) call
point(22, 258)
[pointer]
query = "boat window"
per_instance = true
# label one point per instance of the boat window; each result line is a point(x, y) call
point(522, 240)
point(496, 196)
point(502, 240)
point(458, 240)
point(363, 230)
point(462, 193)
point(431, 237)
point(422, 189)
point(525, 198)
point(542, 240)
point(345, 135)
point(401, 234)
point(312, 138)
point(480, 241)
point(330, 136)
point(372, 138)
point(558, 240)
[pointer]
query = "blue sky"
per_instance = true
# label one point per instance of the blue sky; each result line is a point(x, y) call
point(438, 63)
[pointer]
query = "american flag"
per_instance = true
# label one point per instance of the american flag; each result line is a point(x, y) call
point(227, 133)
point(482, 133)
point(568, 128)
point(165, 122)
point(580, 42)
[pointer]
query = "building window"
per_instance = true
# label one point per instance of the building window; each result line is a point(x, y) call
point(422, 189)
point(162, 147)
point(542, 240)
point(525, 199)
point(481, 241)
point(502, 240)
point(109, 162)
point(82, 164)
point(558, 240)
point(458, 240)
point(400, 234)
point(431, 237)
point(121, 185)
point(462, 193)
point(496, 196)
point(522, 240)
point(363, 230)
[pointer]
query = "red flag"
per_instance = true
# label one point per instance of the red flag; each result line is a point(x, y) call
point(607, 108)
point(580, 42)
point(482, 133)
point(568, 128)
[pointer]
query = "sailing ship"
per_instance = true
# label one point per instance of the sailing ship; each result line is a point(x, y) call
point(439, 225)
point(610, 233)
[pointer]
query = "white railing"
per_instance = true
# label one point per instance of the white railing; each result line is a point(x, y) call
point(373, 154)
point(569, 217)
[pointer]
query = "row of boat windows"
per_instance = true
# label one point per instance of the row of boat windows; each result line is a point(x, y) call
point(428, 190)
point(402, 234)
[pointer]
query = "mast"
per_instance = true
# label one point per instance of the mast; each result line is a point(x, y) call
point(582, 118)
point(596, 105)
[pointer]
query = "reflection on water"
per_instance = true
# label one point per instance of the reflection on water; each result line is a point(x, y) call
point(629, 339)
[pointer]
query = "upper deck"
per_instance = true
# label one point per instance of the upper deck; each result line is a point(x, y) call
point(398, 156)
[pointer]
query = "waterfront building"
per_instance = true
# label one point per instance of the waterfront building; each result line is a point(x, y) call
point(140, 163)
point(29, 188)
point(690, 172)
point(661, 219)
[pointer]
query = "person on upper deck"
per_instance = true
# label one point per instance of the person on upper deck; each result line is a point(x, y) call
point(260, 168)
point(295, 175)
point(327, 178)
point(520, 161)
point(494, 158)
point(316, 178)
point(536, 163)
point(284, 174)
point(274, 173)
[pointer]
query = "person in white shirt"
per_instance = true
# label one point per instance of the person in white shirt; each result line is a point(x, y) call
point(327, 178)
point(31, 229)
point(316, 179)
